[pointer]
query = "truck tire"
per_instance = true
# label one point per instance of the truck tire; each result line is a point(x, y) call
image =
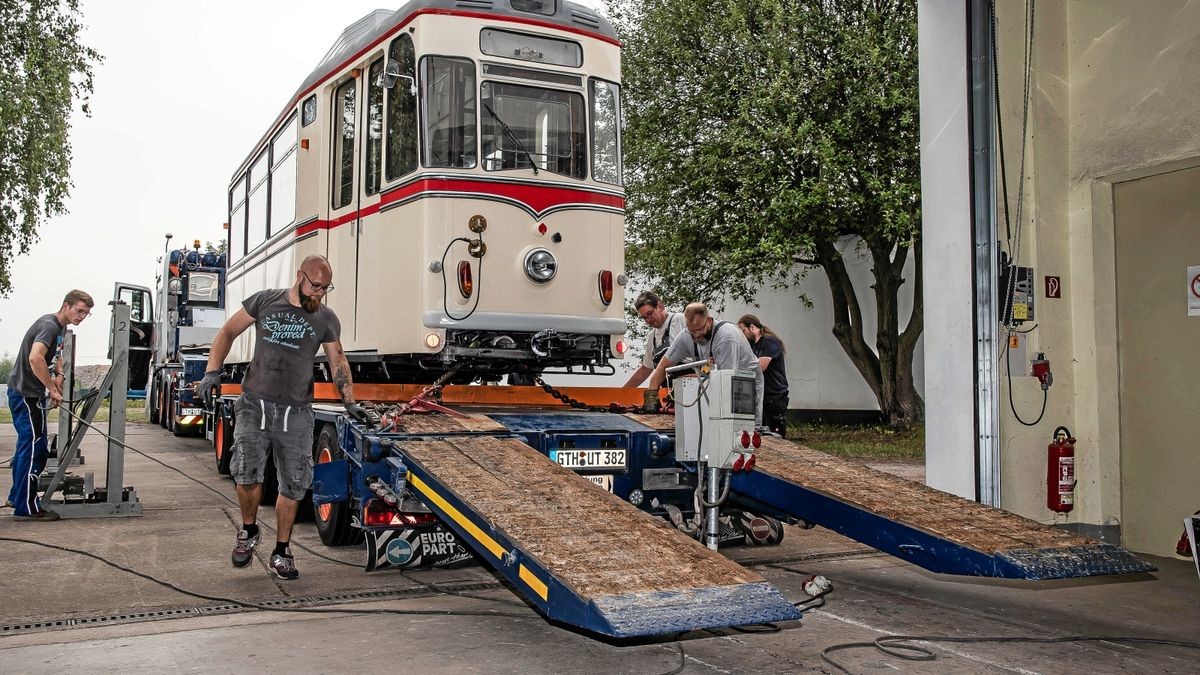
point(152, 402)
point(333, 520)
point(222, 441)
point(162, 405)
point(169, 408)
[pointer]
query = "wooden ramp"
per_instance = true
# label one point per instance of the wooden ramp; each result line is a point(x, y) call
point(933, 529)
point(581, 555)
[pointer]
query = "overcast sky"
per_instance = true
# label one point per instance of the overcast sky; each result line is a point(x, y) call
point(184, 92)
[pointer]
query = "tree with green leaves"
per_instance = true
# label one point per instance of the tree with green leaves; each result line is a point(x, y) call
point(762, 137)
point(44, 71)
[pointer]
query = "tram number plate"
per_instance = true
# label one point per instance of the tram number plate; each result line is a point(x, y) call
point(604, 480)
point(589, 459)
point(192, 411)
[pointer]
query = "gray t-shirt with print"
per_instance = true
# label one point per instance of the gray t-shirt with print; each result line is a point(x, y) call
point(48, 331)
point(729, 349)
point(287, 338)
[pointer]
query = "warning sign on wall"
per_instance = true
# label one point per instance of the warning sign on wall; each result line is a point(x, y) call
point(1193, 279)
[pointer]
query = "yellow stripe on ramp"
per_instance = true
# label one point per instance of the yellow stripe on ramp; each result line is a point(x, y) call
point(490, 544)
point(535, 583)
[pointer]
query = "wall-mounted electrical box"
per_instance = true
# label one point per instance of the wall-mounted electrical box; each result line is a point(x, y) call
point(1018, 307)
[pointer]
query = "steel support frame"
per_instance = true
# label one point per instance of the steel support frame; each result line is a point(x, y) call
point(116, 382)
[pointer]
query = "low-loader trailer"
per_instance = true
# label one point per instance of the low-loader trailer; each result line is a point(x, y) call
point(609, 518)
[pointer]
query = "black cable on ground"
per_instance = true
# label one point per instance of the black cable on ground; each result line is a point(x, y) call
point(302, 547)
point(899, 647)
point(309, 610)
point(265, 608)
point(207, 487)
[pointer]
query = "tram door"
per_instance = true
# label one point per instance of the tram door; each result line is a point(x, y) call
point(388, 239)
point(345, 203)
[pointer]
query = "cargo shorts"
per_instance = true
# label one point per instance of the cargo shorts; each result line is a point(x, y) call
point(286, 431)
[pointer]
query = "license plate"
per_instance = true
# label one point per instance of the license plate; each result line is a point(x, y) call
point(589, 459)
point(604, 480)
point(192, 411)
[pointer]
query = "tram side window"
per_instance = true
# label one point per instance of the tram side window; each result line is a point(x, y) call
point(374, 130)
point(256, 218)
point(402, 111)
point(343, 154)
point(237, 221)
point(606, 132)
point(531, 126)
point(283, 178)
point(449, 112)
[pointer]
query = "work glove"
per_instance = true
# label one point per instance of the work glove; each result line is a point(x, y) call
point(359, 414)
point(208, 386)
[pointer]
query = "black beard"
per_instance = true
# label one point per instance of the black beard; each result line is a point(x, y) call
point(310, 303)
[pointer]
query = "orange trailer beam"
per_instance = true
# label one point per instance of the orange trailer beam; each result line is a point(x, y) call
point(474, 395)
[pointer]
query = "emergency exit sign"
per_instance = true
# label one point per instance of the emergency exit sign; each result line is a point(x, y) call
point(1053, 287)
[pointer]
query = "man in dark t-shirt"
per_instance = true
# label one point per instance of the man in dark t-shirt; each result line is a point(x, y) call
point(769, 350)
point(274, 414)
point(32, 381)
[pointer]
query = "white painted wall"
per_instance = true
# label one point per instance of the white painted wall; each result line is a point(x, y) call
point(820, 375)
point(946, 237)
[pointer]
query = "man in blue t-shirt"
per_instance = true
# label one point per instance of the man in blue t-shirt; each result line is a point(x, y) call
point(274, 413)
point(31, 382)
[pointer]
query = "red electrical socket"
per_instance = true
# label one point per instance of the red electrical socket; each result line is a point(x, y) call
point(1041, 370)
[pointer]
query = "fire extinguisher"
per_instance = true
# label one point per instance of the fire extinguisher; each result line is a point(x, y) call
point(1060, 471)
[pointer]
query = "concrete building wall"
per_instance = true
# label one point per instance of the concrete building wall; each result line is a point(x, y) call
point(1114, 96)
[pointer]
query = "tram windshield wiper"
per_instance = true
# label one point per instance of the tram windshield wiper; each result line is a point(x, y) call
point(513, 136)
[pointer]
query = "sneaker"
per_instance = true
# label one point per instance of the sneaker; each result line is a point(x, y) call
point(40, 516)
point(8, 504)
point(284, 566)
point(243, 551)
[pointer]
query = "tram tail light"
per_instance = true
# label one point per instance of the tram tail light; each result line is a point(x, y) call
point(606, 287)
point(466, 282)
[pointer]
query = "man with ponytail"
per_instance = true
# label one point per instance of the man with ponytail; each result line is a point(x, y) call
point(770, 352)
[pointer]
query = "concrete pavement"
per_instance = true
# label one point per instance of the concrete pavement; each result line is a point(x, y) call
point(125, 623)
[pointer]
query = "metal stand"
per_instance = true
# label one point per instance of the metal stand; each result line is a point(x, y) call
point(66, 359)
point(114, 499)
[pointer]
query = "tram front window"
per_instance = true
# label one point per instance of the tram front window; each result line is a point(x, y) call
point(526, 127)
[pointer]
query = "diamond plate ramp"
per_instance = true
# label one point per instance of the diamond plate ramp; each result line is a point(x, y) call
point(579, 554)
point(930, 528)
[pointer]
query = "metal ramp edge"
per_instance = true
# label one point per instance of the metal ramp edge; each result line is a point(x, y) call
point(745, 599)
point(937, 553)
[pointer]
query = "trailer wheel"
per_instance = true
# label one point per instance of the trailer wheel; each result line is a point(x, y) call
point(162, 406)
point(222, 441)
point(152, 402)
point(333, 520)
point(169, 408)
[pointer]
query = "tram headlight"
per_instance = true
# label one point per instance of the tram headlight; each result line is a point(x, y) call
point(540, 265)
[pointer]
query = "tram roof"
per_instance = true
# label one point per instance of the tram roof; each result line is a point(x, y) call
point(362, 33)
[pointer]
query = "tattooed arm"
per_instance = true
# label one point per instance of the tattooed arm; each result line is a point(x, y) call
point(339, 367)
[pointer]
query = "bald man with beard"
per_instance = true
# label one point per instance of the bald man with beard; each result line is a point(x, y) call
point(274, 412)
